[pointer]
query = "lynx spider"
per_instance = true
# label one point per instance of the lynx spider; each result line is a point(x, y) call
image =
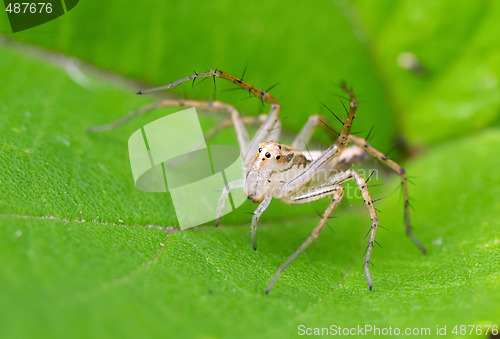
point(274, 170)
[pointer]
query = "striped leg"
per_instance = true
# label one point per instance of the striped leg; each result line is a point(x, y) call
point(265, 129)
point(332, 152)
point(263, 132)
point(350, 174)
point(362, 143)
point(338, 194)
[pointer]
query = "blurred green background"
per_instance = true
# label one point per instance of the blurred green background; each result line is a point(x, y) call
point(83, 253)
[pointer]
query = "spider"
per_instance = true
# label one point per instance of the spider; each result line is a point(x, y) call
point(275, 170)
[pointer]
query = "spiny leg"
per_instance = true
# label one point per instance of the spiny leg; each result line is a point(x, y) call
point(350, 155)
point(337, 197)
point(263, 95)
point(350, 174)
point(331, 153)
point(362, 143)
point(360, 181)
point(255, 219)
point(266, 128)
point(316, 120)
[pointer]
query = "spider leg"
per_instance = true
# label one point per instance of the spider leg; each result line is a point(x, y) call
point(255, 219)
point(217, 106)
point(349, 156)
point(362, 143)
point(264, 130)
point(268, 128)
point(312, 194)
point(224, 197)
point(305, 134)
point(274, 133)
point(350, 174)
point(330, 187)
point(338, 193)
point(263, 95)
point(249, 120)
point(331, 153)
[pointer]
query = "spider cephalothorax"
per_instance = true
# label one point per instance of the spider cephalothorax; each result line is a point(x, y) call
point(274, 170)
point(273, 166)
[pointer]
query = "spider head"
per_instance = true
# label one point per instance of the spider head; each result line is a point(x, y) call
point(273, 165)
point(269, 154)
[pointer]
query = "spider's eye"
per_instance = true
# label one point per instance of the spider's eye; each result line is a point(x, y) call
point(279, 146)
point(278, 157)
point(268, 155)
point(260, 150)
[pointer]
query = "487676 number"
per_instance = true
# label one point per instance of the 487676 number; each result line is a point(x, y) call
point(29, 7)
point(475, 329)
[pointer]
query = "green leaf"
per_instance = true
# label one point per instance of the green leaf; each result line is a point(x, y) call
point(456, 43)
point(84, 253)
